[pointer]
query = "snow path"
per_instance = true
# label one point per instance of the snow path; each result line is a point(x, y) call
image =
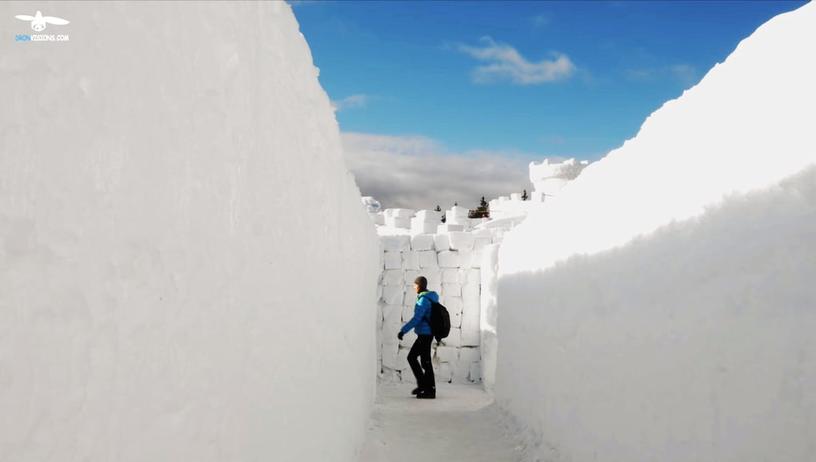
point(460, 425)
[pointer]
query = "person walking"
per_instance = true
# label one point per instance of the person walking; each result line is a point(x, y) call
point(421, 323)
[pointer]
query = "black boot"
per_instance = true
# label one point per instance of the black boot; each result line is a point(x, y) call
point(427, 393)
point(415, 390)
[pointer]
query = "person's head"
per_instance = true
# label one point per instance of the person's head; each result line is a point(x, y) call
point(420, 284)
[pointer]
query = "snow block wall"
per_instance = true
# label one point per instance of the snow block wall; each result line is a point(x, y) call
point(451, 262)
point(165, 294)
point(662, 307)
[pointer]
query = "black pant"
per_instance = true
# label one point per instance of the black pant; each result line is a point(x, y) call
point(422, 348)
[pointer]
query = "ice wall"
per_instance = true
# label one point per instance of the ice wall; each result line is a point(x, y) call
point(661, 308)
point(164, 293)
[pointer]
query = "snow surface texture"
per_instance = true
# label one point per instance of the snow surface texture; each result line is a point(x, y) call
point(163, 294)
point(461, 424)
point(669, 314)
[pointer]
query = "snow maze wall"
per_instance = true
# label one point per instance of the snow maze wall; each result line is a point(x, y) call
point(163, 296)
point(669, 314)
point(451, 262)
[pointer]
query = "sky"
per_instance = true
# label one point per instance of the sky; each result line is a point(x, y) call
point(449, 101)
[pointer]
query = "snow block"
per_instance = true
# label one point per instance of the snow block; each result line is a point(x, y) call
point(392, 259)
point(451, 289)
point(410, 260)
point(389, 355)
point(430, 216)
point(450, 276)
point(396, 243)
point(391, 315)
point(397, 222)
point(393, 295)
point(476, 257)
point(461, 371)
point(474, 276)
point(433, 275)
point(475, 372)
point(410, 277)
point(427, 259)
point(445, 373)
point(447, 354)
point(455, 318)
point(457, 212)
point(394, 278)
point(461, 240)
point(422, 227)
point(408, 339)
point(409, 299)
point(390, 374)
point(378, 218)
point(465, 260)
point(480, 242)
point(407, 312)
point(441, 242)
point(402, 360)
point(453, 304)
point(471, 337)
point(448, 227)
point(448, 259)
point(422, 242)
point(453, 339)
point(471, 291)
point(469, 354)
point(399, 213)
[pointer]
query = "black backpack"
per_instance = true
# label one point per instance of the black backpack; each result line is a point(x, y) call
point(440, 321)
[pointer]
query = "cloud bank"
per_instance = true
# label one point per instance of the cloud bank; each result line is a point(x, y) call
point(418, 173)
point(503, 62)
point(350, 102)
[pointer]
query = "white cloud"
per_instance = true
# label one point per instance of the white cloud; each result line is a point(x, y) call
point(686, 74)
point(417, 172)
point(503, 62)
point(350, 102)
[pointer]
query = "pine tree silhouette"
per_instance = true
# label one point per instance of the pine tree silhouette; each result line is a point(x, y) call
point(482, 211)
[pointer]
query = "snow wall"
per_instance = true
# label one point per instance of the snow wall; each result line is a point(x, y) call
point(450, 262)
point(662, 307)
point(186, 270)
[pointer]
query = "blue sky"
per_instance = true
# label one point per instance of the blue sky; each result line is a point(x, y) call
point(524, 80)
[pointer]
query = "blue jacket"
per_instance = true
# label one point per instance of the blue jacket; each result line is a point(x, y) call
point(421, 322)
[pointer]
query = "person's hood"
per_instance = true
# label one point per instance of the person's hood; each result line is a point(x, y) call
point(430, 294)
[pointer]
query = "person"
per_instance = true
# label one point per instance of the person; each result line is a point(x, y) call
point(421, 323)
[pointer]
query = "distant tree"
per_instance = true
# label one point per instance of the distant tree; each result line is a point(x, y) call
point(438, 208)
point(456, 204)
point(482, 211)
point(524, 196)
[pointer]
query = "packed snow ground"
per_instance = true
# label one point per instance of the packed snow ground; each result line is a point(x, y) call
point(461, 425)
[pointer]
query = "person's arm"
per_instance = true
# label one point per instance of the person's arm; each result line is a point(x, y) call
point(420, 310)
